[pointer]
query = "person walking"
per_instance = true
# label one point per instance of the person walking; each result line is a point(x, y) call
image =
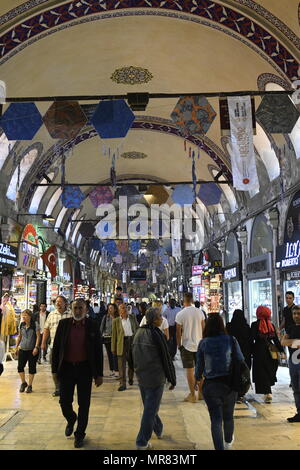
point(214, 363)
point(292, 340)
point(27, 348)
point(106, 332)
point(239, 328)
point(170, 315)
point(189, 329)
point(43, 315)
point(76, 358)
point(61, 311)
point(164, 326)
point(123, 330)
point(287, 320)
point(153, 366)
point(264, 367)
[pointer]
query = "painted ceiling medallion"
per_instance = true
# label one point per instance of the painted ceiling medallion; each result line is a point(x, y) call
point(131, 75)
point(134, 155)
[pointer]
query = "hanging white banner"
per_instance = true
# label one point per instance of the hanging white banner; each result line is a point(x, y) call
point(242, 150)
point(176, 248)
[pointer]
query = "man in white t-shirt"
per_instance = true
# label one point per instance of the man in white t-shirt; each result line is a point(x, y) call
point(189, 328)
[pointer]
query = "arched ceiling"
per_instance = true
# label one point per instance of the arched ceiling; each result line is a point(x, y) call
point(51, 48)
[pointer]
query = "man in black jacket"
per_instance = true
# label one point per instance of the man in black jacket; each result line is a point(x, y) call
point(76, 358)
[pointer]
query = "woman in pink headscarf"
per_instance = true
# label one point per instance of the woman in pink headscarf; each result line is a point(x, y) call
point(264, 367)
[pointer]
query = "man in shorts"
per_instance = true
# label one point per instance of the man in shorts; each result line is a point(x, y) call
point(189, 328)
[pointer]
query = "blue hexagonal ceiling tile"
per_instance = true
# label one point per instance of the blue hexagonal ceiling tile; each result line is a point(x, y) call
point(112, 119)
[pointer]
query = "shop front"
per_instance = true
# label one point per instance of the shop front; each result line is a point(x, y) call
point(233, 290)
point(8, 263)
point(259, 272)
point(288, 254)
point(81, 285)
point(24, 286)
point(261, 284)
point(211, 290)
point(232, 277)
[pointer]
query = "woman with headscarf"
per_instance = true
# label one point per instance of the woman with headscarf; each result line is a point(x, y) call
point(239, 328)
point(264, 367)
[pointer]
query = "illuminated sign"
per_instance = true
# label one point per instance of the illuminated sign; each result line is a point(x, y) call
point(288, 255)
point(8, 255)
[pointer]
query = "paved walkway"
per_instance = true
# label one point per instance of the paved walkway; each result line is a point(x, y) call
point(34, 421)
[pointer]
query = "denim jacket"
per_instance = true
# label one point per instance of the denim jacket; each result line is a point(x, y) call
point(214, 356)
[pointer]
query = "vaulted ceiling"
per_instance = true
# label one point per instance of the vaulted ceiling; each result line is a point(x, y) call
point(54, 48)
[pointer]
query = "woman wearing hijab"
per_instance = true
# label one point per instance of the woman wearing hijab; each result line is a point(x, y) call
point(264, 367)
point(239, 328)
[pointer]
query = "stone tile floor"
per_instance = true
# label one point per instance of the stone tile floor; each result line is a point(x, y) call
point(34, 421)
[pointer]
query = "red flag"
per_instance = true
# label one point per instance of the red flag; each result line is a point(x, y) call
point(49, 258)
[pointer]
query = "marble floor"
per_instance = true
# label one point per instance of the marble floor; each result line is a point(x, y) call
point(34, 421)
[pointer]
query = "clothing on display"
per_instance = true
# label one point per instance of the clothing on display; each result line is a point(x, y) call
point(8, 324)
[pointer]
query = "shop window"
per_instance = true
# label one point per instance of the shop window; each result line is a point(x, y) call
point(266, 153)
point(60, 218)
point(20, 173)
point(38, 195)
point(53, 201)
point(261, 237)
point(5, 147)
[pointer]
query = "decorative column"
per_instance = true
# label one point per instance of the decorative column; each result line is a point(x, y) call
point(243, 238)
point(272, 216)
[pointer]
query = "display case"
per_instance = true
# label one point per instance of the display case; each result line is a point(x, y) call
point(234, 297)
point(260, 293)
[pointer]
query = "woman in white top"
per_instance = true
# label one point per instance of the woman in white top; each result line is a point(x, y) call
point(164, 327)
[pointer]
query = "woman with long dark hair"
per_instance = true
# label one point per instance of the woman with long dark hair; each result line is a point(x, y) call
point(264, 366)
point(213, 361)
point(106, 332)
point(27, 347)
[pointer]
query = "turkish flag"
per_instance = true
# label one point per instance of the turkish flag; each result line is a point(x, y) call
point(49, 258)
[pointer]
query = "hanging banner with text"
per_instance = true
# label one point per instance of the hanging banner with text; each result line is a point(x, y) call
point(242, 150)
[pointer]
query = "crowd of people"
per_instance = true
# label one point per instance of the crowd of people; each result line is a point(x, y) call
point(142, 341)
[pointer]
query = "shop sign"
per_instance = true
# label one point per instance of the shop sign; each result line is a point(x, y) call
point(259, 266)
point(29, 249)
point(292, 226)
point(293, 275)
point(232, 273)
point(196, 281)
point(8, 255)
point(197, 270)
point(288, 255)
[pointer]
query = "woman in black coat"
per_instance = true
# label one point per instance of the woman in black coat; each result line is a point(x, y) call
point(239, 328)
point(264, 367)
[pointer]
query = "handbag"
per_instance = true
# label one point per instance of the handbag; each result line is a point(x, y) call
point(240, 374)
point(274, 353)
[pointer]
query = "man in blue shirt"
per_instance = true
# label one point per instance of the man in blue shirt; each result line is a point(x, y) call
point(170, 314)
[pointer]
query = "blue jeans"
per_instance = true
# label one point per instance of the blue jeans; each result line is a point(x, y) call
point(150, 420)
point(295, 381)
point(220, 400)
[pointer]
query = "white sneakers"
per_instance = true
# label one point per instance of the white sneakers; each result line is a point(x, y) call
point(147, 447)
point(228, 445)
